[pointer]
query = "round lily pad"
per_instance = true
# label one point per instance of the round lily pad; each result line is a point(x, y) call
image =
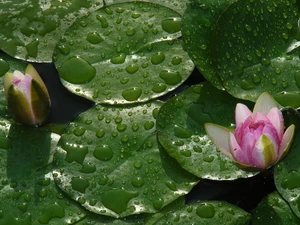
point(28, 192)
point(31, 29)
point(198, 23)
point(273, 209)
point(123, 53)
point(255, 48)
point(180, 129)
point(207, 213)
point(287, 176)
point(109, 160)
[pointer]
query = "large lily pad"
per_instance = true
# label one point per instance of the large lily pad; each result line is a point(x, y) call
point(109, 160)
point(31, 29)
point(181, 131)
point(198, 23)
point(287, 176)
point(28, 192)
point(255, 49)
point(123, 53)
point(207, 213)
point(273, 209)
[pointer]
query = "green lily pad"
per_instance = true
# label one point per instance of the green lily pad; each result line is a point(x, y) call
point(207, 213)
point(123, 53)
point(274, 210)
point(181, 131)
point(28, 192)
point(287, 176)
point(255, 49)
point(105, 220)
point(31, 29)
point(198, 23)
point(176, 5)
point(109, 160)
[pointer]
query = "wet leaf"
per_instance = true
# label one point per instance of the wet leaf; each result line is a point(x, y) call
point(255, 49)
point(181, 131)
point(123, 53)
point(109, 160)
point(207, 213)
point(28, 192)
point(273, 209)
point(198, 23)
point(105, 220)
point(287, 176)
point(31, 29)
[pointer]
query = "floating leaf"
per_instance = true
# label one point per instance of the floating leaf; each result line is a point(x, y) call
point(287, 176)
point(255, 49)
point(109, 161)
point(274, 210)
point(123, 53)
point(28, 192)
point(198, 23)
point(181, 131)
point(207, 213)
point(31, 29)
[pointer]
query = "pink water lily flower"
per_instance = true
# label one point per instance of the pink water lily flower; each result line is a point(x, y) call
point(27, 97)
point(259, 140)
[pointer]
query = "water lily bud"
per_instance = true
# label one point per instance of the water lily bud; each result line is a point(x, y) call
point(27, 97)
point(259, 140)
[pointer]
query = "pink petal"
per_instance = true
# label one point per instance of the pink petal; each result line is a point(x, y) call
point(286, 141)
point(264, 153)
point(264, 103)
point(276, 119)
point(219, 136)
point(241, 114)
point(237, 152)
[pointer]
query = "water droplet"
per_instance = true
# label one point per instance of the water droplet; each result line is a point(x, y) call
point(176, 60)
point(119, 59)
point(73, 68)
point(256, 78)
point(121, 127)
point(205, 210)
point(135, 15)
point(171, 78)
point(88, 168)
point(131, 69)
point(32, 48)
point(103, 180)
point(158, 58)
point(75, 152)
point(208, 159)
point(100, 133)
point(117, 199)
point(248, 27)
point(79, 131)
point(137, 182)
point(297, 79)
point(130, 32)
point(103, 153)
point(44, 181)
point(148, 125)
point(94, 38)
point(103, 21)
point(50, 212)
point(135, 127)
point(245, 85)
point(159, 88)
point(186, 153)
point(292, 180)
point(138, 164)
point(181, 132)
point(22, 207)
point(265, 62)
point(79, 184)
point(157, 204)
point(4, 67)
point(171, 25)
point(132, 94)
point(171, 185)
point(63, 49)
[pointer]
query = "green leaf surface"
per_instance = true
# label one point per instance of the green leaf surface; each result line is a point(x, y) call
point(176, 5)
point(29, 195)
point(31, 29)
point(181, 131)
point(273, 209)
point(105, 220)
point(123, 53)
point(109, 160)
point(255, 49)
point(207, 213)
point(198, 23)
point(287, 176)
